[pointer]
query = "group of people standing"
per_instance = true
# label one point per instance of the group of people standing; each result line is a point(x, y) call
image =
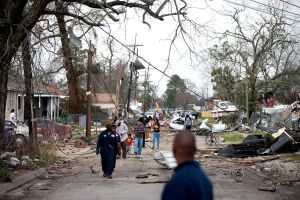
point(140, 128)
point(116, 141)
point(189, 178)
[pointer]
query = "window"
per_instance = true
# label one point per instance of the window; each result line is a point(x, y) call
point(19, 103)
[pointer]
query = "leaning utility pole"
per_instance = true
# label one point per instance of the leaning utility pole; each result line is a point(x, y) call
point(88, 91)
point(119, 80)
point(131, 75)
point(129, 87)
point(146, 90)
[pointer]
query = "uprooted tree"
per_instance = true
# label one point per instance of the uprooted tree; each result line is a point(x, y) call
point(18, 18)
point(260, 53)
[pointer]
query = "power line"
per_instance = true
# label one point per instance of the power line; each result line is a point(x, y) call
point(274, 7)
point(106, 87)
point(290, 3)
point(142, 58)
point(252, 8)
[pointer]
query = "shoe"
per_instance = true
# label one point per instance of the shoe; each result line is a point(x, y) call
point(104, 175)
point(109, 177)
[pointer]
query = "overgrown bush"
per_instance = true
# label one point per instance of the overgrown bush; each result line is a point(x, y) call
point(4, 174)
point(47, 157)
point(62, 120)
point(229, 119)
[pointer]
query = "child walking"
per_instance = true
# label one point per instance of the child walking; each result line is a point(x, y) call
point(129, 143)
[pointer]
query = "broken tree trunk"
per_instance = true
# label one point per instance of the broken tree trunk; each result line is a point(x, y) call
point(74, 100)
point(28, 104)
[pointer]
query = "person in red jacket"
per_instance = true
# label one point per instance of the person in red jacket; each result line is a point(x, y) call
point(129, 143)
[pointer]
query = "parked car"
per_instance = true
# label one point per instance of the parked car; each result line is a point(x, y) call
point(177, 124)
point(223, 108)
point(13, 138)
point(193, 113)
point(19, 127)
point(149, 113)
point(8, 131)
point(50, 128)
point(184, 114)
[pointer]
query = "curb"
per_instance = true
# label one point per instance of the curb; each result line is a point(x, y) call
point(21, 180)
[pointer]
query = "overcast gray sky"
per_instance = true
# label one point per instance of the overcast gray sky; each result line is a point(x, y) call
point(156, 41)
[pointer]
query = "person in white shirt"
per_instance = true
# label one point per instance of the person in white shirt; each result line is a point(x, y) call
point(122, 131)
point(12, 116)
point(188, 122)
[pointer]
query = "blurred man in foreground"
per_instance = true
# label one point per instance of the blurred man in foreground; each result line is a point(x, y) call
point(189, 181)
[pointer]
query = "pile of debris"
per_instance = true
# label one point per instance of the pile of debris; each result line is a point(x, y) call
point(282, 134)
point(10, 159)
point(165, 158)
point(280, 141)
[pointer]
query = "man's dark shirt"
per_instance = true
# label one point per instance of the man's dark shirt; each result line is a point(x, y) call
point(188, 183)
point(139, 130)
point(107, 141)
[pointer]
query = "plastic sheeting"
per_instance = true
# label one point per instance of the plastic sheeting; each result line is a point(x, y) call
point(165, 158)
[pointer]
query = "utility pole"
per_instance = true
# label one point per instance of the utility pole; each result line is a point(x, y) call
point(88, 91)
point(247, 100)
point(146, 90)
point(131, 74)
point(119, 80)
point(129, 87)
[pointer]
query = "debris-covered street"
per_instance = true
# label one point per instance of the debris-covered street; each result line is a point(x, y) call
point(149, 99)
point(140, 176)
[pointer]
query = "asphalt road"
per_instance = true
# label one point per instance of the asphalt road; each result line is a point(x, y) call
point(80, 183)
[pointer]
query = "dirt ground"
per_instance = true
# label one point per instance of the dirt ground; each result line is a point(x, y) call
point(232, 178)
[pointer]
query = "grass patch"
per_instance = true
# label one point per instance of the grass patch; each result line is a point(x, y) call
point(80, 137)
point(77, 127)
point(231, 137)
point(4, 174)
point(259, 132)
point(77, 137)
point(95, 136)
point(47, 157)
point(294, 156)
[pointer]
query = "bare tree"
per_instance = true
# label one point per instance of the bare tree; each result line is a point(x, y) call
point(259, 52)
point(19, 17)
